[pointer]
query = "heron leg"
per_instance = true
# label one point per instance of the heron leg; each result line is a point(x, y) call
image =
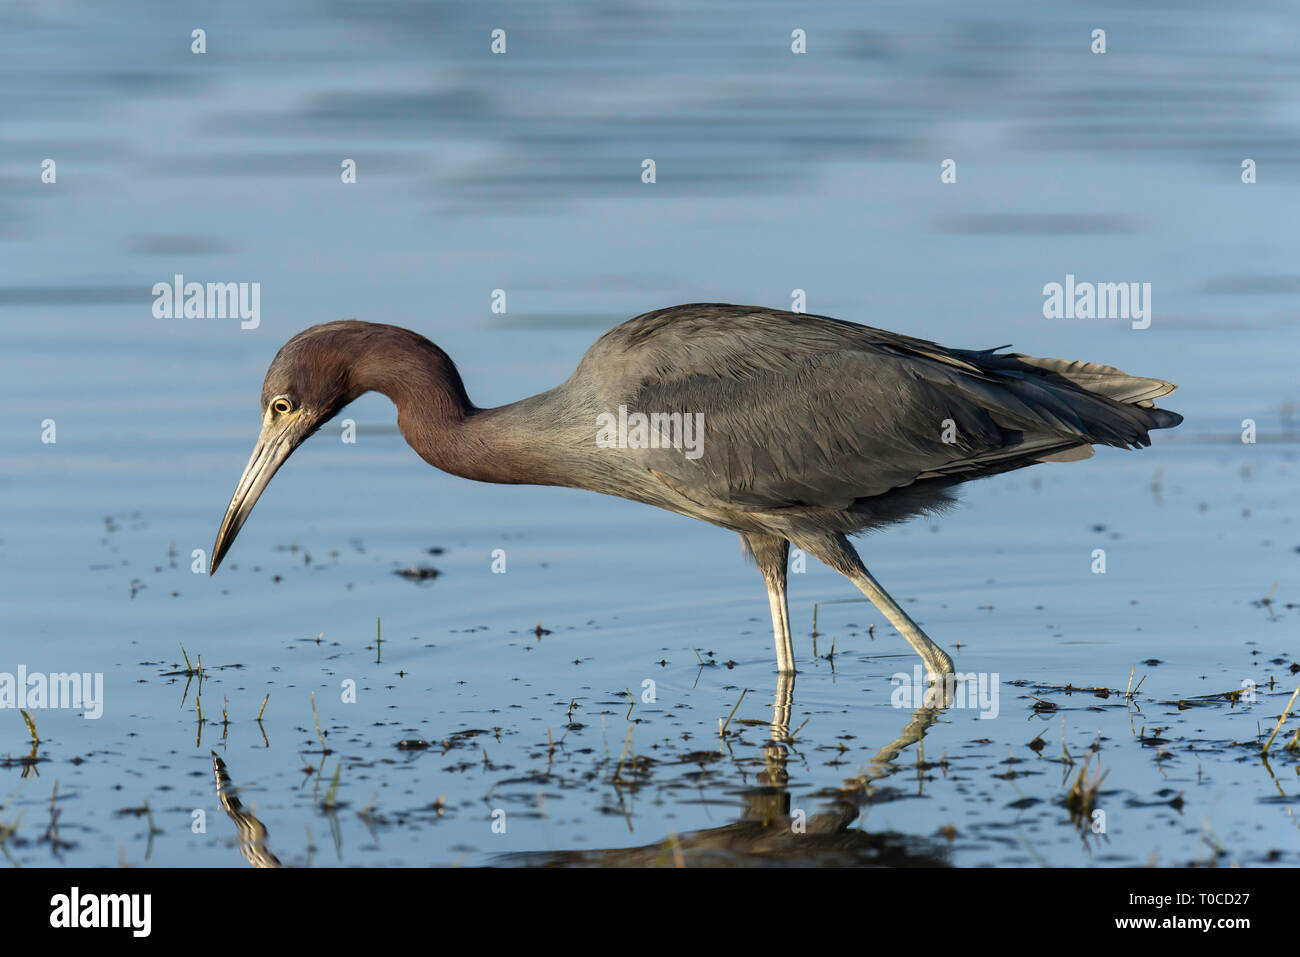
point(836, 551)
point(772, 552)
point(782, 705)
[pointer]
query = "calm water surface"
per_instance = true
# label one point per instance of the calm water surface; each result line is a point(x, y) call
point(775, 172)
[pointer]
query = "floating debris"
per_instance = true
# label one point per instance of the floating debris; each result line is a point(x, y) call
point(418, 573)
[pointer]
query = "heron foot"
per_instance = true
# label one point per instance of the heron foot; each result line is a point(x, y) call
point(938, 665)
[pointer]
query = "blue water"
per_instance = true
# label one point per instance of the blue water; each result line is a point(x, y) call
point(522, 172)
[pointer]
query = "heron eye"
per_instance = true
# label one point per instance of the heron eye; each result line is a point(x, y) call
point(281, 406)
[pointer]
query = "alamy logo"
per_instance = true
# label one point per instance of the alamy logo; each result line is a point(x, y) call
point(1101, 300)
point(976, 690)
point(59, 689)
point(179, 299)
point(134, 911)
point(656, 430)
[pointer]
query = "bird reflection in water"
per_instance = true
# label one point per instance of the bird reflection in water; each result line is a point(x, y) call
point(769, 831)
point(252, 832)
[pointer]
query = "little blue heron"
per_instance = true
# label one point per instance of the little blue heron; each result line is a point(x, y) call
point(812, 428)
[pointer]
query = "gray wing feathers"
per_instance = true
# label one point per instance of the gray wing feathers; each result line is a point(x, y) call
point(1103, 380)
point(806, 410)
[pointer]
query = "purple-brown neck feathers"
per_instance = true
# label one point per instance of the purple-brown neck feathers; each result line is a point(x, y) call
point(327, 366)
point(423, 383)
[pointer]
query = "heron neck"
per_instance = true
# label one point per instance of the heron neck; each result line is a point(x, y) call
point(446, 429)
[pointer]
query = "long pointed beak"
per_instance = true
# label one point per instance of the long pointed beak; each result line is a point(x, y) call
point(273, 447)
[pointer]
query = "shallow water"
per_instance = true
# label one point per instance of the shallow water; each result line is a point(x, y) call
point(522, 173)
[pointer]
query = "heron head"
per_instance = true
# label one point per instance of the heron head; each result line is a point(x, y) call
point(306, 386)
